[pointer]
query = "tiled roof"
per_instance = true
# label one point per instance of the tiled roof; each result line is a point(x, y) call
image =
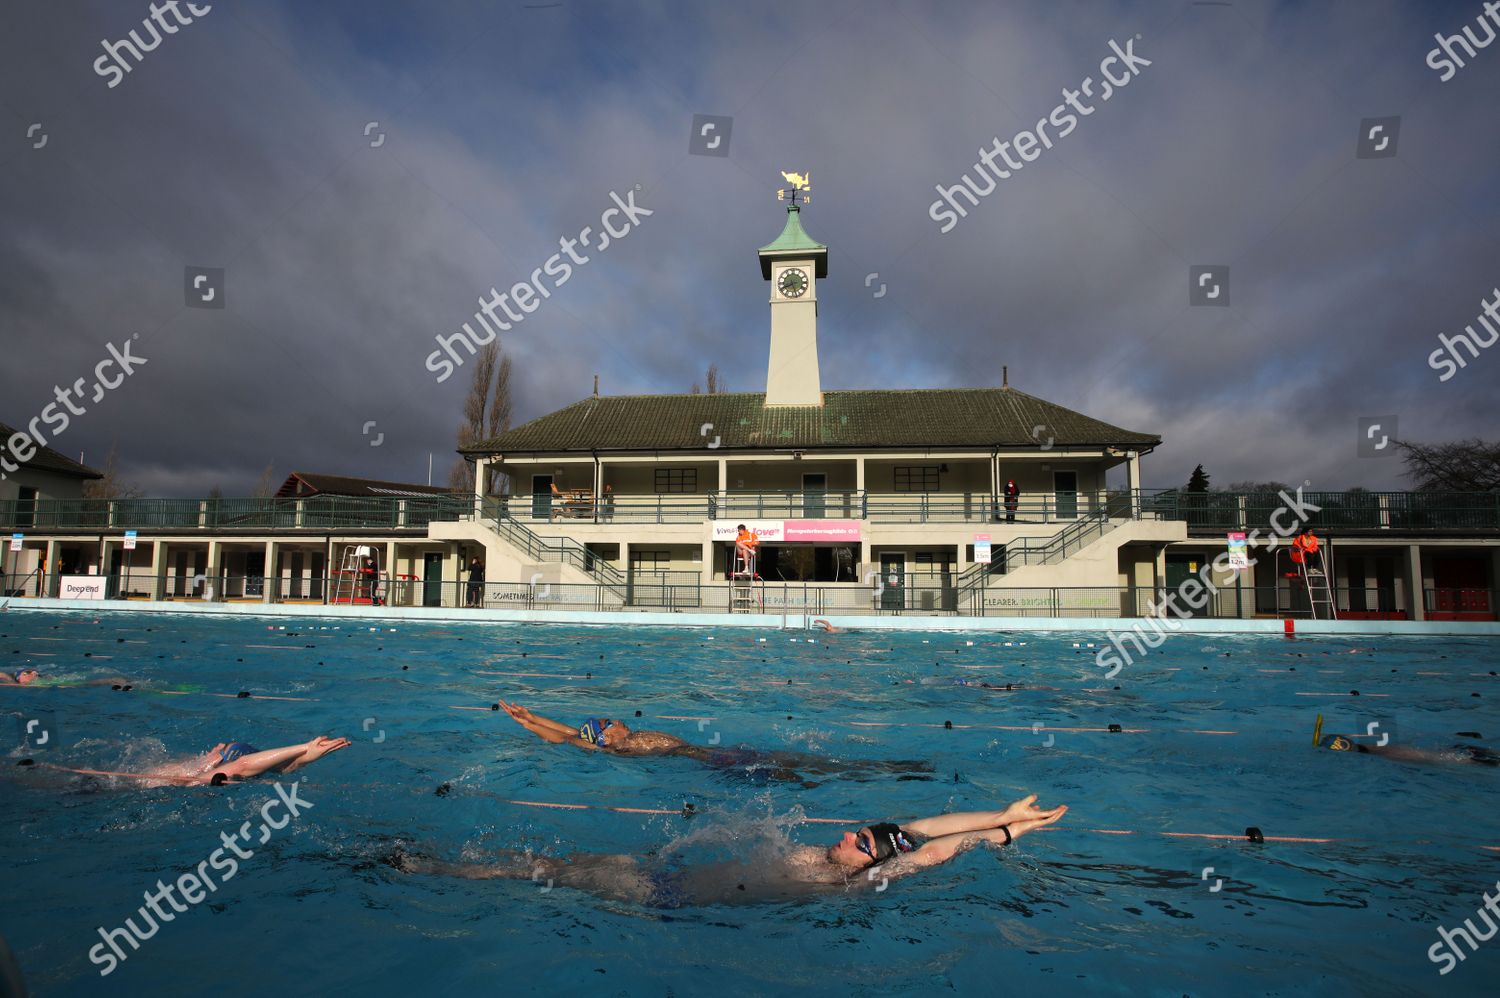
point(46, 459)
point(899, 418)
point(339, 485)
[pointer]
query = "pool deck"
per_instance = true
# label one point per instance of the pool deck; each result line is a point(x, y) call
point(760, 621)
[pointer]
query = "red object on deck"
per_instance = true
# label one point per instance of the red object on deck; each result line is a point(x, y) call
point(1289, 627)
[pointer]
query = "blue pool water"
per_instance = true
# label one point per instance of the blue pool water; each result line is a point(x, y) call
point(1073, 909)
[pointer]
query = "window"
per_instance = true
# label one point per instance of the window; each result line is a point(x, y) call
point(676, 480)
point(917, 478)
point(650, 561)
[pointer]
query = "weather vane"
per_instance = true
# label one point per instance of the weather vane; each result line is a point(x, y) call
point(800, 189)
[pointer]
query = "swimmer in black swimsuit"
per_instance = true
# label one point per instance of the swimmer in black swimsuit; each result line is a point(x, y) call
point(1406, 753)
point(605, 734)
point(866, 856)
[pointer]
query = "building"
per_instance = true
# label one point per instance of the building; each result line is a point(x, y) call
point(983, 501)
point(47, 478)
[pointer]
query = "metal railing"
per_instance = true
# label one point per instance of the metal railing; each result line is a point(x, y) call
point(1345, 512)
point(833, 504)
point(935, 594)
point(551, 549)
point(1350, 511)
point(318, 513)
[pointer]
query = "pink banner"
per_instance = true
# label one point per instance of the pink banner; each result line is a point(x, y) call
point(822, 530)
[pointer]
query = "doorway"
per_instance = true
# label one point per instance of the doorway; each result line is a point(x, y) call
point(814, 502)
point(541, 497)
point(1065, 491)
point(893, 581)
point(432, 579)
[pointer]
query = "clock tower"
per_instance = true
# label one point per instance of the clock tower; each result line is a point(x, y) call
point(792, 264)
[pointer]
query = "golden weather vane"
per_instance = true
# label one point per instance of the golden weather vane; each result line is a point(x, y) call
point(801, 189)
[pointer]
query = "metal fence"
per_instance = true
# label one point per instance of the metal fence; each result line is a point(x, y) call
point(933, 595)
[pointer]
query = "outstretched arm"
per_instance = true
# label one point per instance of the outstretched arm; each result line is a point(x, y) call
point(544, 728)
point(974, 821)
point(945, 847)
point(282, 760)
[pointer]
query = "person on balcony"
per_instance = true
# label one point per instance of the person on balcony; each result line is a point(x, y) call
point(1012, 499)
point(869, 856)
point(609, 503)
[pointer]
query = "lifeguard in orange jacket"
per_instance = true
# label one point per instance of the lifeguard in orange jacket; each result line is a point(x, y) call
point(745, 543)
point(1306, 544)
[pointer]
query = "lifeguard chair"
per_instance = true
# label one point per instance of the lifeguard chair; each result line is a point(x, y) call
point(746, 589)
point(1314, 567)
point(354, 576)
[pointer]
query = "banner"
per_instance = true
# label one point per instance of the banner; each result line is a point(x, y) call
point(1239, 554)
point(835, 531)
point(766, 530)
point(803, 531)
point(82, 587)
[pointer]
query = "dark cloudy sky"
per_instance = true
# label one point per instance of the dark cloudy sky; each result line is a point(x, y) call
point(241, 143)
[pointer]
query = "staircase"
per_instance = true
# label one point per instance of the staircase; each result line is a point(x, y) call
point(546, 550)
point(1037, 551)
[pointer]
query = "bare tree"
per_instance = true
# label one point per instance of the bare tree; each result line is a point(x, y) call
point(487, 413)
point(715, 382)
point(1459, 466)
point(267, 483)
point(111, 486)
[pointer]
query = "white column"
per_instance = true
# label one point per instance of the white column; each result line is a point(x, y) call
point(51, 565)
point(1415, 594)
point(1133, 474)
point(481, 472)
point(708, 560)
point(211, 572)
point(158, 568)
point(271, 576)
point(389, 565)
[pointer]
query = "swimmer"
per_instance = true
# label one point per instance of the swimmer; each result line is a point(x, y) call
point(866, 857)
point(1407, 753)
point(827, 627)
point(31, 677)
point(240, 761)
point(604, 734)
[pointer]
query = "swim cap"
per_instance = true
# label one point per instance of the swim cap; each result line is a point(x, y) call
point(889, 840)
point(234, 750)
point(593, 730)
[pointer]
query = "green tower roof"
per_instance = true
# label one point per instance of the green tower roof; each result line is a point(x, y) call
point(794, 242)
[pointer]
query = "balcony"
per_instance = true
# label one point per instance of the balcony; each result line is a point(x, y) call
point(256, 515)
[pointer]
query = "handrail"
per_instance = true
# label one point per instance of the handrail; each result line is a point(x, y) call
point(1076, 535)
point(564, 549)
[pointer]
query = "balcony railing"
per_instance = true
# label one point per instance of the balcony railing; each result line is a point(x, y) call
point(1338, 511)
point(264, 515)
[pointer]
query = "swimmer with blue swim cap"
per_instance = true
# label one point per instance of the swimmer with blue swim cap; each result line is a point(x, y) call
point(22, 678)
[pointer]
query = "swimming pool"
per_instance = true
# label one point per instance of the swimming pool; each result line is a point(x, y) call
point(1215, 737)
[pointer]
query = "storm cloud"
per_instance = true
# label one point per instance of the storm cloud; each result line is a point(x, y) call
point(364, 172)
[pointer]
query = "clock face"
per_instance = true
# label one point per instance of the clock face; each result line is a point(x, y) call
point(792, 283)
